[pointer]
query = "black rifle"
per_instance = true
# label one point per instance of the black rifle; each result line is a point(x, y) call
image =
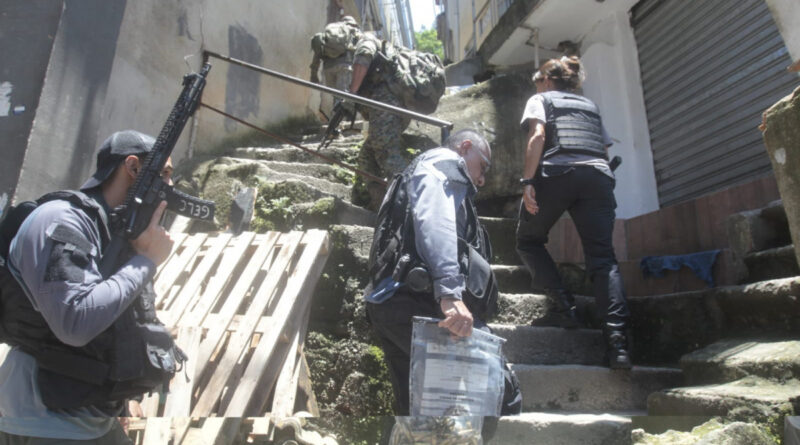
point(339, 113)
point(130, 219)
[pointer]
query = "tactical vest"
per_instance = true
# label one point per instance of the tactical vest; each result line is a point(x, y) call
point(394, 253)
point(573, 125)
point(135, 355)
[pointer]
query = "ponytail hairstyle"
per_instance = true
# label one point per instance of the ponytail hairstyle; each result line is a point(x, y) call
point(566, 73)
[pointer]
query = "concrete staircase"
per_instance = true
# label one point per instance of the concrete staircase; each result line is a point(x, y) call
point(569, 396)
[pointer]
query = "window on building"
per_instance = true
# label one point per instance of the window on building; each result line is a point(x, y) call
point(502, 6)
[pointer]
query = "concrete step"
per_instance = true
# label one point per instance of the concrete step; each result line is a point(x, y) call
point(522, 309)
point(733, 359)
point(503, 235)
point(591, 388)
point(752, 394)
point(517, 279)
point(665, 327)
point(551, 346)
point(757, 230)
point(562, 429)
point(343, 149)
point(512, 278)
point(771, 264)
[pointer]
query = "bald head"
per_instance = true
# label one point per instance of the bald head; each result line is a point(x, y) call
point(475, 150)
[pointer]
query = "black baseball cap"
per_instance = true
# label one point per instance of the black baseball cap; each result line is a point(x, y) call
point(114, 150)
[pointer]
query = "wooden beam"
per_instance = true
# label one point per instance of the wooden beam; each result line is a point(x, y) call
point(302, 281)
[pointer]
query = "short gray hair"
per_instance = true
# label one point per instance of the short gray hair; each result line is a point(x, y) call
point(456, 139)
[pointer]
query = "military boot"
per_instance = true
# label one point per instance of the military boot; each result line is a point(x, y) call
point(561, 312)
point(617, 346)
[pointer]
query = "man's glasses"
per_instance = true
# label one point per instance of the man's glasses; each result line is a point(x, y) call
point(486, 164)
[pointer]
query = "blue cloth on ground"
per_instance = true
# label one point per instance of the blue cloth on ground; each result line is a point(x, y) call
point(701, 263)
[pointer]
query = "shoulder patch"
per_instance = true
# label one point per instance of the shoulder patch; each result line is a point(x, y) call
point(71, 253)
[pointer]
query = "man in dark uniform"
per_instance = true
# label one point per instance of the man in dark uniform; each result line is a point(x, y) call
point(77, 335)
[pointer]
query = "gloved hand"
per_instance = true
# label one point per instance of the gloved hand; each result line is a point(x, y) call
point(347, 107)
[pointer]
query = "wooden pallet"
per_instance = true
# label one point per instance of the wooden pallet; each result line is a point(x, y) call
point(238, 307)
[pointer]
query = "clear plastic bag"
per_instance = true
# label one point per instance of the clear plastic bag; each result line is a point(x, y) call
point(454, 382)
point(454, 376)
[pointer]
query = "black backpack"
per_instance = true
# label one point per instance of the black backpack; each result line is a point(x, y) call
point(10, 224)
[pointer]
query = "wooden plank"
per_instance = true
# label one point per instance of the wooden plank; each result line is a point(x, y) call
point(240, 339)
point(150, 404)
point(230, 260)
point(304, 383)
point(286, 385)
point(189, 291)
point(179, 399)
point(171, 270)
point(219, 430)
point(233, 301)
point(212, 320)
point(300, 282)
point(157, 431)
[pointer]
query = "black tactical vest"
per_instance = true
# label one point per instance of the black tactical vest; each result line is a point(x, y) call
point(573, 125)
point(393, 252)
point(135, 355)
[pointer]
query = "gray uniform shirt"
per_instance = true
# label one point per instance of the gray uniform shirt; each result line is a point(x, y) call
point(77, 305)
point(440, 217)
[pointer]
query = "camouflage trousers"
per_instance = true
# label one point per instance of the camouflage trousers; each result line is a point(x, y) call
point(337, 76)
point(383, 153)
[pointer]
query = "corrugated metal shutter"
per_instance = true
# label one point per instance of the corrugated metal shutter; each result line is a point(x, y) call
point(709, 69)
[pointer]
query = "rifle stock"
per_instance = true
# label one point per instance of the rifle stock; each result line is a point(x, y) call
point(130, 219)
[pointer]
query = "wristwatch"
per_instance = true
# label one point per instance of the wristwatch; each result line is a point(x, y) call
point(523, 182)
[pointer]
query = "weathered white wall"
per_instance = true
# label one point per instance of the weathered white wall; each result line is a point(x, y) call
point(611, 63)
point(157, 35)
point(787, 16)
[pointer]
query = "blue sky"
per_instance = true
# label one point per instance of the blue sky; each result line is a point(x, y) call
point(423, 14)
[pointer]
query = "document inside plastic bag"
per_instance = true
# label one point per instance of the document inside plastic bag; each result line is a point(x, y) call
point(454, 376)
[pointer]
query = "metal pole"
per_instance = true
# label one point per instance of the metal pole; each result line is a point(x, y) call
point(338, 93)
point(307, 150)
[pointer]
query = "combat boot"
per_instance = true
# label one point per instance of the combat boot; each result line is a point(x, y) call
point(561, 313)
point(617, 346)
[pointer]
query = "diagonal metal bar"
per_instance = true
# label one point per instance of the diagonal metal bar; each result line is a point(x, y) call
point(444, 125)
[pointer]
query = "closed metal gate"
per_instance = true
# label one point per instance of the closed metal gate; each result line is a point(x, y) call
point(709, 69)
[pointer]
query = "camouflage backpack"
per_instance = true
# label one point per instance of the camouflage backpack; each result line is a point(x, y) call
point(416, 77)
point(335, 40)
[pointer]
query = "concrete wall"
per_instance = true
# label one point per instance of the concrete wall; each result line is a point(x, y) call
point(27, 33)
point(64, 133)
point(611, 63)
point(149, 65)
point(787, 16)
point(117, 64)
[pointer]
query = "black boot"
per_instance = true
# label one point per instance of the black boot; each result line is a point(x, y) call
point(617, 346)
point(561, 313)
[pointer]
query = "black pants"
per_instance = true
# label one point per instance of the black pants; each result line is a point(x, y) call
point(391, 320)
point(588, 195)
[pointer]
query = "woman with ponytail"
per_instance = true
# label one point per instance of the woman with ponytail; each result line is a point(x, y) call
point(566, 170)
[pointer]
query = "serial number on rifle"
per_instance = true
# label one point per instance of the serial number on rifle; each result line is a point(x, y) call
point(200, 211)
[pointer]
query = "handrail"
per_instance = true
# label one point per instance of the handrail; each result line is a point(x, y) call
point(445, 126)
point(294, 144)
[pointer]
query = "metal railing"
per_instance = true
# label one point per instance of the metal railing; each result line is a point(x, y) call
point(443, 125)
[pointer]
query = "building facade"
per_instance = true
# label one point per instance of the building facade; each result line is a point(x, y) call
point(681, 85)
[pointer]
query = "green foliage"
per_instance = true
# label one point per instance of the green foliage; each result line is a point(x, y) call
point(429, 43)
